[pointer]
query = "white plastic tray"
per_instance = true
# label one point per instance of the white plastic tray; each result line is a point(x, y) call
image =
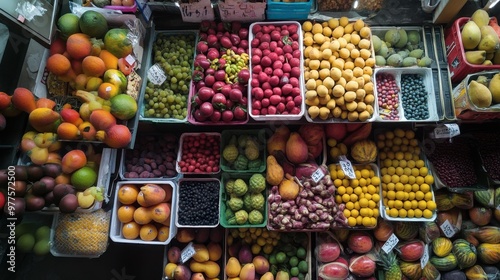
point(115, 231)
point(122, 169)
point(151, 63)
point(277, 117)
point(380, 32)
point(177, 199)
point(179, 153)
point(429, 86)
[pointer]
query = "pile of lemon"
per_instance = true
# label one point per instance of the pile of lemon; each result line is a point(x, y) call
point(406, 182)
point(360, 196)
point(259, 239)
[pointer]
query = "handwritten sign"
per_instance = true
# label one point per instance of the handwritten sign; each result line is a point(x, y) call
point(347, 167)
point(231, 10)
point(156, 75)
point(448, 229)
point(197, 12)
point(317, 175)
point(187, 252)
point(447, 130)
point(425, 257)
point(390, 243)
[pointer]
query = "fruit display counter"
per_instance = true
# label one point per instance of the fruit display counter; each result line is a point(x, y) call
point(313, 149)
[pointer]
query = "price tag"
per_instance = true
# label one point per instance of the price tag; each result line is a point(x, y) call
point(347, 167)
point(317, 175)
point(156, 75)
point(498, 207)
point(448, 229)
point(447, 130)
point(187, 252)
point(231, 10)
point(130, 60)
point(197, 11)
point(425, 257)
point(390, 243)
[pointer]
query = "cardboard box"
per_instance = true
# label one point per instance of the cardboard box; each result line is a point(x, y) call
point(446, 11)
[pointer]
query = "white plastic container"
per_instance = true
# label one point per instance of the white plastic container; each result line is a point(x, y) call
point(426, 73)
point(277, 117)
point(115, 231)
point(381, 30)
point(177, 193)
point(151, 62)
point(179, 153)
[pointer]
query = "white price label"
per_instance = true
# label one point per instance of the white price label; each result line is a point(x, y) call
point(197, 11)
point(448, 229)
point(390, 243)
point(498, 207)
point(347, 167)
point(241, 10)
point(447, 130)
point(156, 75)
point(425, 257)
point(187, 252)
point(317, 175)
point(130, 60)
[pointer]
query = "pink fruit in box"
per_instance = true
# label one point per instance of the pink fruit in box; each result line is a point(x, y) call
point(333, 271)
point(410, 251)
point(360, 242)
point(328, 251)
point(362, 266)
point(245, 254)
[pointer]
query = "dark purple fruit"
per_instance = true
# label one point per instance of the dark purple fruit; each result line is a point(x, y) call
point(68, 203)
point(20, 188)
point(52, 169)
point(34, 203)
point(49, 198)
point(21, 172)
point(61, 190)
point(4, 177)
point(35, 172)
point(15, 208)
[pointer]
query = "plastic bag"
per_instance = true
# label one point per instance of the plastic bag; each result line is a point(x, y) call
point(30, 9)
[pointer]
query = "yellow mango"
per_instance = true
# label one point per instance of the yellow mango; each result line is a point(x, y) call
point(210, 268)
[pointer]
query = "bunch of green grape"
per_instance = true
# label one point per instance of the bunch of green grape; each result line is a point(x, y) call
point(174, 53)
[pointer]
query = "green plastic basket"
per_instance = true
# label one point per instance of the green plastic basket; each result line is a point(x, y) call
point(260, 135)
point(223, 198)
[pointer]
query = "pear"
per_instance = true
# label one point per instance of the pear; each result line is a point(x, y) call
point(494, 88)
point(475, 57)
point(480, 17)
point(479, 95)
point(489, 39)
point(471, 35)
